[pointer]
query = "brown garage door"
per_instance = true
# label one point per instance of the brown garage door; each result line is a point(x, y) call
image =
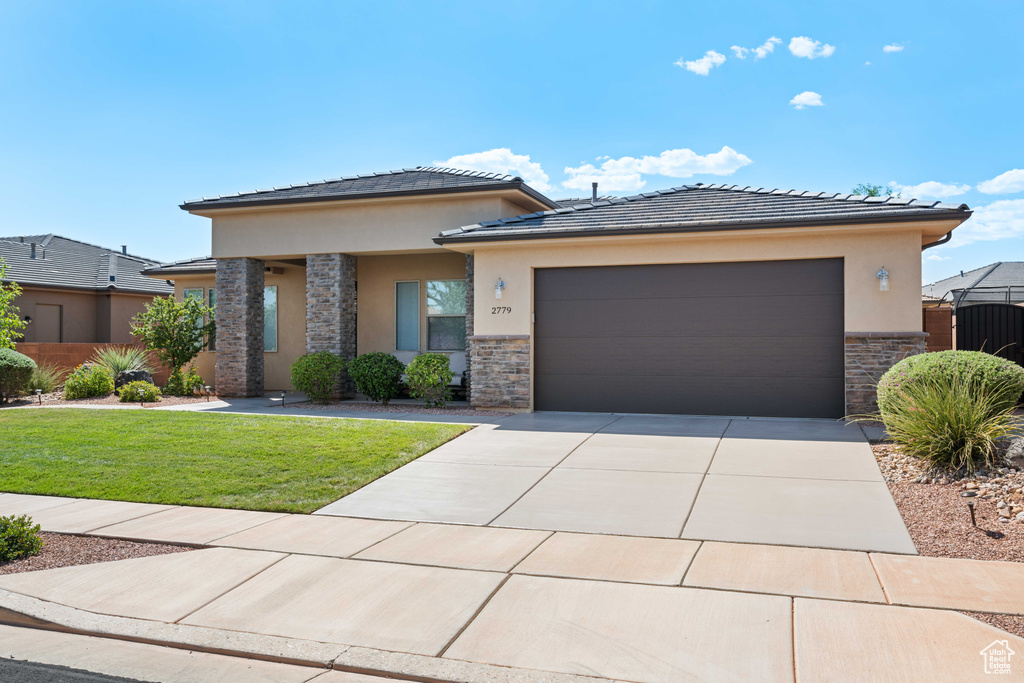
point(762, 338)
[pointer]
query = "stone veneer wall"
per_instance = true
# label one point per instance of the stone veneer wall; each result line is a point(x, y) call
point(501, 370)
point(239, 366)
point(331, 308)
point(868, 356)
point(469, 324)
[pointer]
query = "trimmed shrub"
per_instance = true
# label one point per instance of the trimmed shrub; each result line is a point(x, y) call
point(139, 392)
point(19, 538)
point(429, 377)
point(378, 375)
point(15, 374)
point(47, 377)
point(88, 381)
point(1001, 380)
point(316, 374)
point(183, 382)
point(952, 407)
point(118, 359)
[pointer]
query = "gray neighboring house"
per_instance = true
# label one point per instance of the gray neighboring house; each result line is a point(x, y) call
point(75, 292)
point(997, 283)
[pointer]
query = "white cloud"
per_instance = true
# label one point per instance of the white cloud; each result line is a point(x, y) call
point(802, 46)
point(1004, 183)
point(760, 52)
point(705, 64)
point(936, 257)
point(807, 99)
point(893, 47)
point(996, 221)
point(626, 174)
point(502, 160)
point(930, 190)
point(867, 63)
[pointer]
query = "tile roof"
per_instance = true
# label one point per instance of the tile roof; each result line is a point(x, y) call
point(64, 262)
point(704, 207)
point(990, 282)
point(406, 181)
point(573, 201)
point(193, 266)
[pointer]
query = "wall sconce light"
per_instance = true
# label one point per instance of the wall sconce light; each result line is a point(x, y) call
point(28, 318)
point(498, 287)
point(883, 280)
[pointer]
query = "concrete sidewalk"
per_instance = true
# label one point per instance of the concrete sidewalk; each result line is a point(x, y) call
point(468, 603)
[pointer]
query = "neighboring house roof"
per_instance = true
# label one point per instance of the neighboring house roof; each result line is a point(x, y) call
point(705, 207)
point(68, 263)
point(995, 282)
point(573, 201)
point(193, 266)
point(422, 180)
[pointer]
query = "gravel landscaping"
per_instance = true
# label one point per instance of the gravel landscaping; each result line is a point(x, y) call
point(57, 399)
point(63, 550)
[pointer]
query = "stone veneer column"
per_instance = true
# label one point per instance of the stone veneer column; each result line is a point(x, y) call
point(501, 370)
point(331, 308)
point(469, 325)
point(868, 356)
point(239, 365)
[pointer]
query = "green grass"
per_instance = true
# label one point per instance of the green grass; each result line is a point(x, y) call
point(283, 464)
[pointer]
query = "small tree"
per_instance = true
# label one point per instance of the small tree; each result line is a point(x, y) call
point(174, 329)
point(869, 190)
point(10, 315)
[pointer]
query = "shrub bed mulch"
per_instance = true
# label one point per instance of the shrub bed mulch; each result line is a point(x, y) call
point(64, 550)
point(939, 521)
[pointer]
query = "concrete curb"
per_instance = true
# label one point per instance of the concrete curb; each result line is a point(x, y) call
point(28, 612)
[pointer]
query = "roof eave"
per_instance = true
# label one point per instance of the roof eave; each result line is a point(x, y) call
point(486, 236)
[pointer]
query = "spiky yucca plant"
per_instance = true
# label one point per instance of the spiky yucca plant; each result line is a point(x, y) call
point(118, 359)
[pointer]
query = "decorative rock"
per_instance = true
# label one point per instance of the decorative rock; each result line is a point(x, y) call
point(1001, 504)
point(1003, 512)
point(128, 376)
point(1020, 517)
point(970, 485)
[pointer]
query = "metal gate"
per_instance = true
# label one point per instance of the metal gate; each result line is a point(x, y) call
point(993, 328)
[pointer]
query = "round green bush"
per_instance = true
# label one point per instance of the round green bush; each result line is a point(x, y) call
point(183, 382)
point(139, 392)
point(88, 381)
point(16, 371)
point(316, 374)
point(19, 538)
point(429, 377)
point(1000, 379)
point(377, 375)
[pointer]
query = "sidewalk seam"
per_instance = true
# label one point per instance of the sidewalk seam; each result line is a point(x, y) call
point(703, 478)
point(469, 621)
point(221, 595)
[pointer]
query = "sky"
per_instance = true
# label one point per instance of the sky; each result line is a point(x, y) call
point(114, 113)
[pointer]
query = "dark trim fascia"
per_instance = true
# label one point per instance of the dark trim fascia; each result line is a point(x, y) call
point(86, 290)
point(489, 187)
point(483, 235)
point(158, 273)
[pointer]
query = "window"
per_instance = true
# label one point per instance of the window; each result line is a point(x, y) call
point(446, 315)
point(270, 319)
point(211, 297)
point(407, 316)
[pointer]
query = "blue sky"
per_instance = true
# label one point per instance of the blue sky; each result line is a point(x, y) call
point(112, 113)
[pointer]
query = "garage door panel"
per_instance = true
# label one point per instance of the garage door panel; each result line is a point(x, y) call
point(773, 357)
point(692, 317)
point(752, 338)
point(790, 397)
point(693, 280)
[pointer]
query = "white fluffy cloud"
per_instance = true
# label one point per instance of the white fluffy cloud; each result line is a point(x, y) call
point(705, 64)
point(996, 221)
point(1004, 183)
point(807, 99)
point(626, 173)
point(937, 257)
point(930, 190)
point(893, 47)
point(760, 52)
point(802, 46)
point(502, 160)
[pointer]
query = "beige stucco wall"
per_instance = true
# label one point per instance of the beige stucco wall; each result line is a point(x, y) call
point(864, 251)
point(354, 226)
point(376, 277)
point(79, 313)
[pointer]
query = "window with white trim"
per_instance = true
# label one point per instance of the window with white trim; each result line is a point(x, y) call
point(407, 316)
point(446, 315)
point(270, 318)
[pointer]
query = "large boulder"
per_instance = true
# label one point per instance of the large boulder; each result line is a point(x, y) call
point(127, 376)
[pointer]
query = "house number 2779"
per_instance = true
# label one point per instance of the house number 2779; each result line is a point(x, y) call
point(500, 310)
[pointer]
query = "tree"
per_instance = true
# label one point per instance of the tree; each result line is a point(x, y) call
point(174, 329)
point(10, 315)
point(869, 190)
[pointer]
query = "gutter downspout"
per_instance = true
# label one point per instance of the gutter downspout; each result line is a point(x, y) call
point(941, 240)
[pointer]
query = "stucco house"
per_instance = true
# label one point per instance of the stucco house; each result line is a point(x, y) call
point(702, 299)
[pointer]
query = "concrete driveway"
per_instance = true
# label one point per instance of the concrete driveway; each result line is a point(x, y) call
point(770, 481)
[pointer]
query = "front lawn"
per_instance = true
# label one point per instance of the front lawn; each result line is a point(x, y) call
point(259, 462)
